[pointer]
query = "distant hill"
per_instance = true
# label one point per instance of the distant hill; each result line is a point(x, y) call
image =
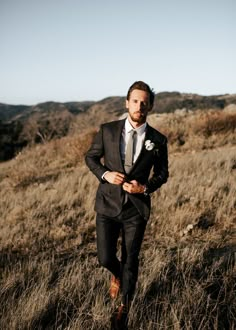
point(21, 125)
point(23, 112)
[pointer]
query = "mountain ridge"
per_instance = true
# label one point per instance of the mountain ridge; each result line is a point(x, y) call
point(164, 102)
point(21, 125)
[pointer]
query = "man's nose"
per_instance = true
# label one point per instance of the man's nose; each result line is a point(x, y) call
point(140, 106)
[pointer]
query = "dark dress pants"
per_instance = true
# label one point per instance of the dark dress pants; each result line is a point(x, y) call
point(132, 227)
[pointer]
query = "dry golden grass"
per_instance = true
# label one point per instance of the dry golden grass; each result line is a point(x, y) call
point(50, 278)
point(187, 131)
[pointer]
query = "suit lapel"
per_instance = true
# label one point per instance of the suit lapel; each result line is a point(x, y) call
point(117, 140)
point(148, 136)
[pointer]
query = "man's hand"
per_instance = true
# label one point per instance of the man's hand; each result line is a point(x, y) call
point(114, 177)
point(133, 187)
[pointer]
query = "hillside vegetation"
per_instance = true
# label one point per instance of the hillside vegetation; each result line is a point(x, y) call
point(21, 125)
point(50, 277)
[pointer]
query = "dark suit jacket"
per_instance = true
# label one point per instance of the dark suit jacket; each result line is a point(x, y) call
point(104, 155)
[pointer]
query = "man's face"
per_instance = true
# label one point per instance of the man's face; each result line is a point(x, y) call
point(138, 106)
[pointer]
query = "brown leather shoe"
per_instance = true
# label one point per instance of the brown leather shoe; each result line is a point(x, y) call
point(114, 287)
point(119, 320)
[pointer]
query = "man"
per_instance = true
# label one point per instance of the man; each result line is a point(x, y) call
point(122, 156)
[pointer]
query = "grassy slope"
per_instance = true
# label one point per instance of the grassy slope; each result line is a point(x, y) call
point(50, 277)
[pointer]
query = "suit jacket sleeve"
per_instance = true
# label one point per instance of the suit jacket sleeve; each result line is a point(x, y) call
point(160, 168)
point(94, 155)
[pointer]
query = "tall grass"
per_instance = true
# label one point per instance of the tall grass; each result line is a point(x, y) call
point(188, 131)
point(50, 277)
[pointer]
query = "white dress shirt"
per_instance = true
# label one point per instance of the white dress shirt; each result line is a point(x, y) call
point(141, 130)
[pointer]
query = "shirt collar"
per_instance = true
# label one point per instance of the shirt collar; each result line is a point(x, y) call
point(140, 130)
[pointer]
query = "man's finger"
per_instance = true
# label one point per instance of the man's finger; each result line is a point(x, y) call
point(120, 175)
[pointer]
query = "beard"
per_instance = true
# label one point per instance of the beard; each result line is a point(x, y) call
point(138, 117)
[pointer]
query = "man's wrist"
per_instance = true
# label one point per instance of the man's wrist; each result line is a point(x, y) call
point(103, 176)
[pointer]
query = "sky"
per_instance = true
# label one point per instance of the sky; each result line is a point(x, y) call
point(77, 50)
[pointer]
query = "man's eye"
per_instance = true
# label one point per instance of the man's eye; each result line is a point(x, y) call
point(143, 104)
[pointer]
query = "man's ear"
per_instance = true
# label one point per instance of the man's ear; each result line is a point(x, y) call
point(127, 104)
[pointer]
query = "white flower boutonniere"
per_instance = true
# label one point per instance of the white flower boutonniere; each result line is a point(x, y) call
point(149, 145)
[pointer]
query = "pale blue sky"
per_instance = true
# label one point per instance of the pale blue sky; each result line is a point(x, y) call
point(76, 50)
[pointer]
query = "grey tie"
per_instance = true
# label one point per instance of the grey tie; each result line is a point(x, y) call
point(130, 152)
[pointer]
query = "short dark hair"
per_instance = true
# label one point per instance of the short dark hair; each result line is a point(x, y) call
point(143, 87)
